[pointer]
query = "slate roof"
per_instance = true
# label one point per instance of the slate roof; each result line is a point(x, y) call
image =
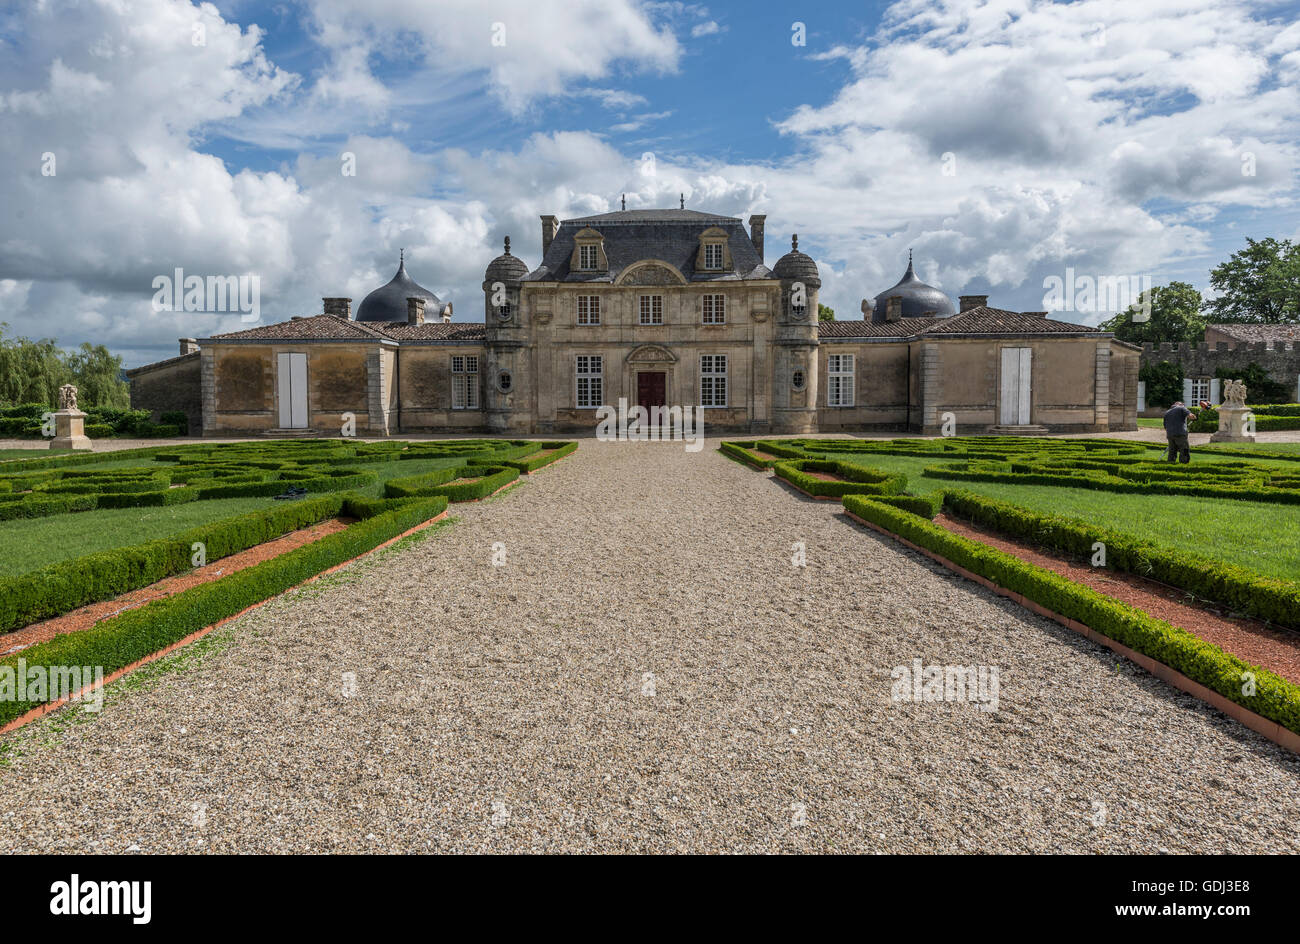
point(1257, 332)
point(981, 320)
point(634, 235)
point(918, 297)
point(388, 302)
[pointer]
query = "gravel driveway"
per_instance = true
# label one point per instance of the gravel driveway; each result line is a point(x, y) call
point(646, 672)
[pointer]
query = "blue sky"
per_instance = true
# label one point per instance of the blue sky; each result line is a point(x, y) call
point(1003, 142)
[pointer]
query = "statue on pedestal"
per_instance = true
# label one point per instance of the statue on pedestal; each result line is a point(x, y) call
point(1236, 422)
point(69, 422)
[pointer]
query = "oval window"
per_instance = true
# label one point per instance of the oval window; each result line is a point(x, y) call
point(504, 311)
point(504, 381)
point(798, 379)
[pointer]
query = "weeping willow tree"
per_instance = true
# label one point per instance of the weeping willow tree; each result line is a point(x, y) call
point(31, 371)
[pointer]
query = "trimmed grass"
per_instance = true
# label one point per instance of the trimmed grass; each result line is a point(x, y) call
point(1261, 537)
point(27, 544)
point(1150, 422)
point(6, 454)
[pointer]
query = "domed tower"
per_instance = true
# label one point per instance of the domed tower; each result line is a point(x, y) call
point(919, 300)
point(388, 302)
point(794, 344)
point(506, 361)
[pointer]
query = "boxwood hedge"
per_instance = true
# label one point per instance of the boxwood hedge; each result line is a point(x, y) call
point(1275, 698)
point(860, 480)
point(128, 637)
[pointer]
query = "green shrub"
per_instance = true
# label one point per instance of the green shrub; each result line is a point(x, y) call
point(98, 430)
point(177, 418)
point(540, 461)
point(487, 479)
point(742, 452)
point(59, 588)
point(1240, 590)
point(927, 506)
point(128, 637)
point(1275, 698)
point(860, 480)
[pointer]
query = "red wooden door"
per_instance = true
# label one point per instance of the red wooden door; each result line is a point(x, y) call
point(650, 389)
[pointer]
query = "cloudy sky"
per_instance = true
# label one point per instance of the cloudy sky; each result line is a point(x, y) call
point(1002, 141)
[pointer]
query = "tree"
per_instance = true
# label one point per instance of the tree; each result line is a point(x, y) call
point(825, 312)
point(33, 371)
point(1259, 284)
point(1175, 316)
point(98, 376)
point(1164, 382)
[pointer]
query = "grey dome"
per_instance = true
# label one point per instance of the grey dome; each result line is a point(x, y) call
point(388, 302)
point(919, 299)
point(796, 265)
point(505, 267)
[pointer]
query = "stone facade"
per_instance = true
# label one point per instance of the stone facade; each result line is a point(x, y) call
point(671, 308)
point(170, 385)
point(1279, 358)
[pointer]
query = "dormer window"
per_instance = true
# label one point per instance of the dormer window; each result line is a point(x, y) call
point(713, 255)
point(588, 252)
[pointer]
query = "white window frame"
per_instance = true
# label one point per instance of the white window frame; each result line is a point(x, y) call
point(588, 307)
point(655, 311)
point(1201, 388)
point(840, 378)
point(588, 381)
point(713, 381)
point(713, 256)
point(588, 257)
point(464, 382)
point(714, 310)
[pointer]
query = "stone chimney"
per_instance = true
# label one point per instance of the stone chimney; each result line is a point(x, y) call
point(414, 310)
point(189, 345)
point(550, 226)
point(340, 307)
point(894, 308)
point(1035, 314)
point(967, 302)
point(446, 314)
point(756, 232)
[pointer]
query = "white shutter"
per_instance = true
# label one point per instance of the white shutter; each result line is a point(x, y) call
point(1215, 387)
point(283, 388)
point(1187, 389)
point(1008, 386)
point(291, 389)
point(1142, 396)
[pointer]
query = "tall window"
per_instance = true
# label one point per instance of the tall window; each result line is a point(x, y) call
point(588, 309)
point(713, 380)
point(839, 384)
point(715, 309)
point(464, 383)
point(590, 386)
point(587, 257)
point(1200, 389)
point(713, 255)
point(652, 309)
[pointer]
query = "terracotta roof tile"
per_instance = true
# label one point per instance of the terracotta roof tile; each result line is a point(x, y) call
point(315, 328)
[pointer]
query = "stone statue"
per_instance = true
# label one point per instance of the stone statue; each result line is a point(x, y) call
point(1234, 394)
point(69, 422)
point(67, 397)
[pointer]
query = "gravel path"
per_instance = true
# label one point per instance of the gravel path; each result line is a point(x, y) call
point(647, 672)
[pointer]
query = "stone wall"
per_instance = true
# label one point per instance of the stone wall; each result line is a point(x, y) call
point(1201, 360)
point(169, 385)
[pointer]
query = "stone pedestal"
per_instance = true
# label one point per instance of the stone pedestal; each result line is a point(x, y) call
point(1233, 426)
point(70, 430)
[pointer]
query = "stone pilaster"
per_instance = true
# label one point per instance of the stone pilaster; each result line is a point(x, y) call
point(376, 402)
point(931, 386)
point(1101, 387)
point(208, 390)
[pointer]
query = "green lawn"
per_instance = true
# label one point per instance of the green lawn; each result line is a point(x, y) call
point(1256, 535)
point(30, 543)
point(1151, 422)
point(32, 453)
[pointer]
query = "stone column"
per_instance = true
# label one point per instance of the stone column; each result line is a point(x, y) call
point(1101, 388)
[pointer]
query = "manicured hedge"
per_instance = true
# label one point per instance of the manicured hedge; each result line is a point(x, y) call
point(540, 461)
point(1265, 598)
point(861, 480)
point(487, 479)
point(59, 588)
point(741, 451)
point(128, 637)
point(927, 506)
point(1275, 698)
